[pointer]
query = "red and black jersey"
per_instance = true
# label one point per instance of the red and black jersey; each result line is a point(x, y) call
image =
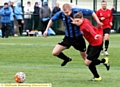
point(89, 32)
point(108, 17)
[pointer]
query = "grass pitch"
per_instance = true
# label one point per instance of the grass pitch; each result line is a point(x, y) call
point(32, 55)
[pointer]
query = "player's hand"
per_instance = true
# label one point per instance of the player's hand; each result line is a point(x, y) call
point(111, 24)
point(45, 33)
point(73, 22)
point(97, 36)
point(100, 24)
point(102, 18)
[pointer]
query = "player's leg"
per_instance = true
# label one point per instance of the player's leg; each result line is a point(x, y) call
point(93, 53)
point(106, 43)
point(57, 51)
point(102, 50)
point(106, 37)
point(92, 60)
point(79, 44)
point(83, 55)
point(93, 69)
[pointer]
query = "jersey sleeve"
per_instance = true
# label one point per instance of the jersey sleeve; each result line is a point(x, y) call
point(111, 16)
point(56, 16)
point(89, 28)
point(85, 11)
point(97, 13)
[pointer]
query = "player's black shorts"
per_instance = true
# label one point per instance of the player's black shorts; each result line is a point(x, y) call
point(78, 43)
point(106, 31)
point(93, 52)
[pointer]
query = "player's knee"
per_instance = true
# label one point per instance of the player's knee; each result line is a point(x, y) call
point(54, 53)
point(83, 55)
point(107, 37)
point(86, 63)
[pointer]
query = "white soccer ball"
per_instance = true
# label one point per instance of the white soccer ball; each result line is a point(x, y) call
point(20, 77)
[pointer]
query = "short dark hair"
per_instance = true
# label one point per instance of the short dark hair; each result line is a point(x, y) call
point(28, 2)
point(5, 3)
point(103, 1)
point(78, 15)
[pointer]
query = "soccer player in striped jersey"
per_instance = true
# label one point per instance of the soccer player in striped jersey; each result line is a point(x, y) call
point(94, 36)
point(106, 17)
point(73, 36)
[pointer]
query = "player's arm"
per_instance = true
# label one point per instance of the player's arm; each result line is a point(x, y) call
point(48, 26)
point(93, 33)
point(90, 29)
point(111, 18)
point(91, 12)
point(55, 17)
point(97, 19)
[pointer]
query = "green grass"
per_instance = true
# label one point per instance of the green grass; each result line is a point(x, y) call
point(32, 55)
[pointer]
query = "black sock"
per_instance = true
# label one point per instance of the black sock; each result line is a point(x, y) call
point(102, 60)
point(93, 69)
point(96, 62)
point(62, 56)
point(106, 44)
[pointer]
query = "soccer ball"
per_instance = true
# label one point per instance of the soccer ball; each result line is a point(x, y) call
point(20, 77)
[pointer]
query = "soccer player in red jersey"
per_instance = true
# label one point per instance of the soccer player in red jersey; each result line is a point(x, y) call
point(106, 17)
point(94, 36)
